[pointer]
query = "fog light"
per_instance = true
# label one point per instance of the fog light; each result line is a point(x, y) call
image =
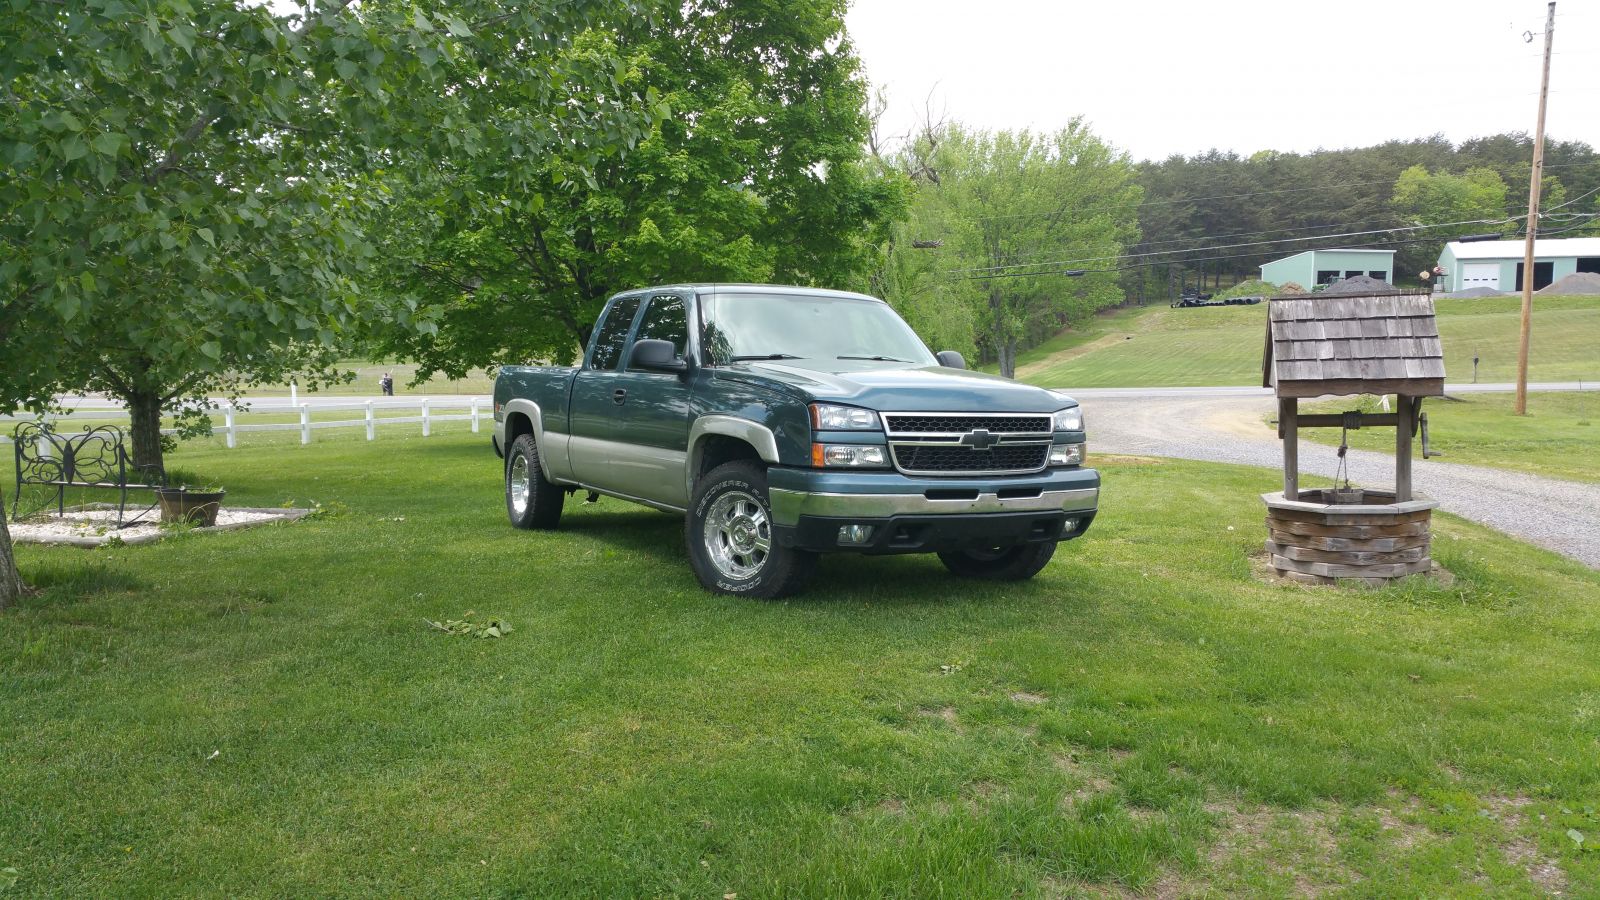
point(855, 534)
point(1066, 454)
point(1069, 526)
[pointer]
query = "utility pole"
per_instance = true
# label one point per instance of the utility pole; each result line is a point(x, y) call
point(1535, 181)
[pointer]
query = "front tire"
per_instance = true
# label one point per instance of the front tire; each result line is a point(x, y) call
point(1017, 563)
point(531, 501)
point(728, 531)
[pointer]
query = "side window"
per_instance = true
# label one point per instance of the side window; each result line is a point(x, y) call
point(613, 334)
point(666, 319)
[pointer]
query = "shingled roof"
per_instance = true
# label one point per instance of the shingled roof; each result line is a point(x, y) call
point(1380, 344)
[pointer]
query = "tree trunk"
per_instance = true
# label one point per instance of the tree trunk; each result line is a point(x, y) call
point(1008, 357)
point(10, 579)
point(1002, 344)
point(144, 409)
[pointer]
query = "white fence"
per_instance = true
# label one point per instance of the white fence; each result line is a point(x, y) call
point(231, 427)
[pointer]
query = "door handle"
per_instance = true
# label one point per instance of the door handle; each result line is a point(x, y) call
point(619, 396)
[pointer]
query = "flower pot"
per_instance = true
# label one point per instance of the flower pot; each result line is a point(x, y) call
point(196, 507)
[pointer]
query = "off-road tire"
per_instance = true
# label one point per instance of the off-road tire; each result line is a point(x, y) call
point(736, 553)
point(1017, 563)
point(538, 504)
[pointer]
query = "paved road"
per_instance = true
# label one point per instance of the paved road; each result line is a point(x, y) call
point(1563, 516)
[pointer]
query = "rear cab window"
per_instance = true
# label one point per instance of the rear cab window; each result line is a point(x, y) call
point(612, 334)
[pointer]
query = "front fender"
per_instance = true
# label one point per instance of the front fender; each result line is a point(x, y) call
point(755, 434)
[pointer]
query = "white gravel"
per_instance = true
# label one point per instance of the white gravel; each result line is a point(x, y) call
point(1559, 515)
point(93, 527)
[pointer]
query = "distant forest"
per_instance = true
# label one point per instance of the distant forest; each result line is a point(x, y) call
point(1235, 203)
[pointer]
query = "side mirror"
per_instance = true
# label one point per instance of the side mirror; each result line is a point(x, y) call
point(654, 355)
point(950, 359)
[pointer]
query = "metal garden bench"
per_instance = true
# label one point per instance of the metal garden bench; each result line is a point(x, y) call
point(95, 458)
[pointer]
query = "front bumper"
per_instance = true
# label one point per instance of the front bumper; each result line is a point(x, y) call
point(920, 515)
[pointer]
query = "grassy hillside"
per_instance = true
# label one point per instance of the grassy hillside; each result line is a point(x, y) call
point(1160, 346)
point(265, 712)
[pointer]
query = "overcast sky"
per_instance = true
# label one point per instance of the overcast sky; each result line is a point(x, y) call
point(1163, 77)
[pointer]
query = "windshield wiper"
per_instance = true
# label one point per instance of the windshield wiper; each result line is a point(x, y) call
point(764, 356)
point(876, 358)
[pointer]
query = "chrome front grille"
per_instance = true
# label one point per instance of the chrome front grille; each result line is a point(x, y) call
point(968, 443)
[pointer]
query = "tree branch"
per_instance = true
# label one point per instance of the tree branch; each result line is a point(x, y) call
point(176, 152)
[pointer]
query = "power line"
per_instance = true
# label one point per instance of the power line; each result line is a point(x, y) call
point(1056, 251)
point(1589, 216)
point(1143, 203)
point(1197, 249)
point(1146, 265)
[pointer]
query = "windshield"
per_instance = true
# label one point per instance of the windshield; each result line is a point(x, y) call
point(795, 326)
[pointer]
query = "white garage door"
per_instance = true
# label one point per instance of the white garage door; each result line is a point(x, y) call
point(1480, 275)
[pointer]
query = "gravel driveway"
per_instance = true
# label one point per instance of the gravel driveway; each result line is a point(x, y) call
point(1563, 516)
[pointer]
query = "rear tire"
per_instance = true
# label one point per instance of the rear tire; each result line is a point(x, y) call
point(1018, 563)
point(728, 530)
point(531, 501)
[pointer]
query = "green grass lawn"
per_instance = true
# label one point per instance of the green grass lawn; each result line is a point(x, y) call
point(1160, 346)
point(265, 713)
point(1560, 437)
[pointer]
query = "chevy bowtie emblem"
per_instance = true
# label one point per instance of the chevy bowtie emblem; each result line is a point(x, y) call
point(980, 439)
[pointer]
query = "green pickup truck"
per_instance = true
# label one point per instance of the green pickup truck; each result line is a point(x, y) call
point(786, 422)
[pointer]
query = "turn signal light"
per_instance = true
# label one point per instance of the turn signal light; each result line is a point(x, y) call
point(849, 456)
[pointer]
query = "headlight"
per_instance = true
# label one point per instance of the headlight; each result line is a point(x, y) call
point(849, 456)
point(827, 417)
point(1066, 454)
point(1070, 419)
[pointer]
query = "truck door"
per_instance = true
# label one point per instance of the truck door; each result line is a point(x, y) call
point(650, 428)
point(595, 407)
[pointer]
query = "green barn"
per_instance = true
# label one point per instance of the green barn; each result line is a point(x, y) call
point(1497, 265)
point(1314, 267)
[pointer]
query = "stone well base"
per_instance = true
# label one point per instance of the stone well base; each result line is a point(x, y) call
point(1376, 541)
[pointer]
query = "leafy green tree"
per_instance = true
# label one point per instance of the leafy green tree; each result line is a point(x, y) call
point(1430, 198)
point(183, 184)
point(1015, 212)
point(757, 175)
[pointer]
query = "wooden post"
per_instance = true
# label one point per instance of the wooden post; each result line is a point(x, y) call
point(372, 432)
point(1289, 426)
point(1535, 182)
point(424, 417)
point(227, 413)
point(305, 423)
point(474, 415)
point(1405, 413)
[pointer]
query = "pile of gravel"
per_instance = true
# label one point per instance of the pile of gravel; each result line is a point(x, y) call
point(1576, 283)
point(1475, 293)
point(1360, 284)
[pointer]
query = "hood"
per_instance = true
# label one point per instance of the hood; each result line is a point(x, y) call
point(893, 387)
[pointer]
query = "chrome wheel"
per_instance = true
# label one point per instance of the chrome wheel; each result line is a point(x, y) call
point(738, 535)
point(519, 484)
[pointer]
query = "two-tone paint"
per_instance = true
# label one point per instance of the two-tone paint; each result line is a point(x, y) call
point(647, 436)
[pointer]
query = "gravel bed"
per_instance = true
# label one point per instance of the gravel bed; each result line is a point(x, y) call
point(94, 527)
point(1558, 515)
